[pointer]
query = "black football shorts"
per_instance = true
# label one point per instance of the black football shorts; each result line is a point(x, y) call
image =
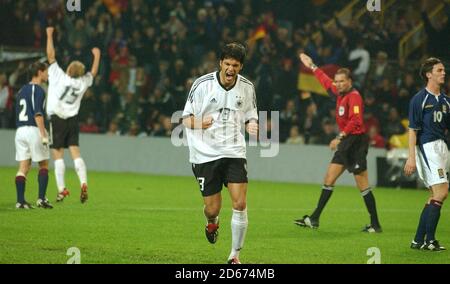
point(352, 153)
point(212, 175)
point(64, 132)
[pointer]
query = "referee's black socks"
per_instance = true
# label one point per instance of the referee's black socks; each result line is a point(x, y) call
point(369, 199)
point(324, 197)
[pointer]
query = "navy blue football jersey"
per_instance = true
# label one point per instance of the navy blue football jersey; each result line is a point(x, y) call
point(429, 115)
point(30, 102)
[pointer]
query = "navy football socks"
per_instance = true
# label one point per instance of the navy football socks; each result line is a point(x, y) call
point(43, 182)
point(20, 189)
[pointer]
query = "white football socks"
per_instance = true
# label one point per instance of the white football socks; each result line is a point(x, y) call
point(239, 224)
point(60, 168)
point(80, 168)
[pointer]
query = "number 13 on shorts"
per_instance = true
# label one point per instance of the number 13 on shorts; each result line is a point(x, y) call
point(201, 182)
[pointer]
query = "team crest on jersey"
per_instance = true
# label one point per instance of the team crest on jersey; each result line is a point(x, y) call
point(341, 110)
point(444, 108)
point(441, 173)
point(239, 102)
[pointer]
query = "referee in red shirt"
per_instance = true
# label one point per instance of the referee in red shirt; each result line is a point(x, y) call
point(351, 145)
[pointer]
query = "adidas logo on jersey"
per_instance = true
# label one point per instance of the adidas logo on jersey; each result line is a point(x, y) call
point(213, 101)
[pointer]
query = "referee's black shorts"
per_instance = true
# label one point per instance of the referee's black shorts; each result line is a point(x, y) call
point(212, 175)
point(352, 153)
point(64, 132)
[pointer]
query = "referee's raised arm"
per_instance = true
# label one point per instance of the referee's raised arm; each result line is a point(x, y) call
point(323, 78)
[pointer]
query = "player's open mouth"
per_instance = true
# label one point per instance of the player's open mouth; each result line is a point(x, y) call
point(229, 76)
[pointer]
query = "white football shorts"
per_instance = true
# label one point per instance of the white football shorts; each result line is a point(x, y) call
point(29, 145)
point(432, 162)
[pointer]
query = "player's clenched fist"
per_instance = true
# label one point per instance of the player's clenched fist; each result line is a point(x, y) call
point(96, 52)
point(50, 30)
point(207, 122)
point(252, 128)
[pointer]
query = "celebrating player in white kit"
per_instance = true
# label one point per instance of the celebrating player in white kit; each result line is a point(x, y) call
point(31, 137)
point(429, 117)
point(66, 90)
point(219, 105)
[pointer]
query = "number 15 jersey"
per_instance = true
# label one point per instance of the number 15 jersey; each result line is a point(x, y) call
point(64, 92)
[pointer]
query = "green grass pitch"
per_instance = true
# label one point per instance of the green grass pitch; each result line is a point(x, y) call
point(133, 218)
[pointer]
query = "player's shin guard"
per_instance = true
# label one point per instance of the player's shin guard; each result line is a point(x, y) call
point(43, 182)
point(20, 187)
point(369, 200)
point(422, 227)
point(434, 212)
point(80, 168)
point(60, 169)
point(324, 197)
point(239, 224)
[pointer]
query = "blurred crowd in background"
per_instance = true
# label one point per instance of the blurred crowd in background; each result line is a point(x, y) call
point(154, 50)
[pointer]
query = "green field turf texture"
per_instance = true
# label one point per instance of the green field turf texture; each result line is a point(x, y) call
point(133, 218)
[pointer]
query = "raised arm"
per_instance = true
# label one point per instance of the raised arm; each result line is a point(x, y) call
point(323, 78)
point(51, 57)
point(95, 64)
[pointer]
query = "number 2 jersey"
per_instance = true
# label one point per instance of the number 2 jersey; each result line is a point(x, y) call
point(230, 109)
point(64, 92)
point(429, 115)
point(30, 103)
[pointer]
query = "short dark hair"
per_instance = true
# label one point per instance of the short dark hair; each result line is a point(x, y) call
point(36, 67)
point(345, 71)
point(234, 50)
point(427, 67)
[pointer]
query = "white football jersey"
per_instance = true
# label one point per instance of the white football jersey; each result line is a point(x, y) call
point(230, 109)
point(65, 93)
